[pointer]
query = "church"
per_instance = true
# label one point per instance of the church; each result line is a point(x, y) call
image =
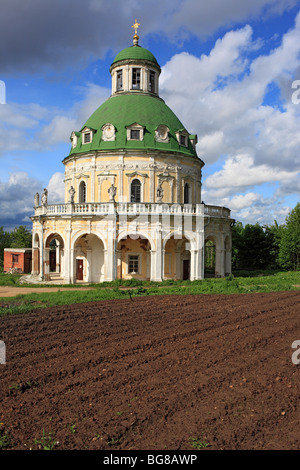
point(133, 206)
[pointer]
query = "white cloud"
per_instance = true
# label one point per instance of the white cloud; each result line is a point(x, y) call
point(240, 172)
point(56, 189)
point(15, 199)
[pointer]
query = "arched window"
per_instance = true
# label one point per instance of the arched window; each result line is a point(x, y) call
point(135, 192)
point(82, 192)
point(186, 194)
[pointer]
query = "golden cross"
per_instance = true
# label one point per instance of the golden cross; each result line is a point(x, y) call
point(135, 26)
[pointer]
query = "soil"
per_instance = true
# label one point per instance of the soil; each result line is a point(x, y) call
point(154, 373)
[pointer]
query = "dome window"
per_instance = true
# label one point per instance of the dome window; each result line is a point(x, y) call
point(87, 135)
point(120, 80)
point(182, 137)
point(136, 79)
point(152, 79)
point(135, 132)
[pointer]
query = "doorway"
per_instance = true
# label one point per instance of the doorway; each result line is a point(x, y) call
point(79, 269)
point(186, 269)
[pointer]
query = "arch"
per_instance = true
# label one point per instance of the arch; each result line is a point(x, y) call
point(178, 262)
point(80, 233)
point(133, 257)
point(54, 253)
point(186, 234)
point(135, 190)
point(135, 235)
point(88, 258)
point(53, 236)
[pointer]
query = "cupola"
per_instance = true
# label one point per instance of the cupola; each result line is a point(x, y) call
point(135, 70)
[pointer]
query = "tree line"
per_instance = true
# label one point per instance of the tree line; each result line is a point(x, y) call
point(268, 246)
point(253, 246)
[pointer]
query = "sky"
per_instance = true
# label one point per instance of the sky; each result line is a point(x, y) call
point(230, 72)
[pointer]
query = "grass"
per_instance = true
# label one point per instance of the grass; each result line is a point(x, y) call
point(46, 442)
point(237, 283)
point(198, 443)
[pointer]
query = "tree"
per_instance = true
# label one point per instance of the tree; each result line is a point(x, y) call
point(254, 246)
point(289, 247)
point(5, 240)
point(21, 238)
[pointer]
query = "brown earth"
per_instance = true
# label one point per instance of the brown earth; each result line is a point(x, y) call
point(153, 373)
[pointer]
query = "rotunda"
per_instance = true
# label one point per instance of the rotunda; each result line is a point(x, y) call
point(133, 206)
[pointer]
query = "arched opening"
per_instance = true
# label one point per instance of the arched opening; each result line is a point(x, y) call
point(177, 259)
point(135, 191)
point(89, 259)
point(133, 258)
point(210, 258)
point(54, 257)
point(82, 192)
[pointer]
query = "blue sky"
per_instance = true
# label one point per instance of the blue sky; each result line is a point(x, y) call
point(227, 71)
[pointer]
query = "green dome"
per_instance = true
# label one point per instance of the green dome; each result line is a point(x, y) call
point(135, 53)
point(127, 109)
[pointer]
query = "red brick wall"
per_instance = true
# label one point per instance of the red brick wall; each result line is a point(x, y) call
point(17, 261)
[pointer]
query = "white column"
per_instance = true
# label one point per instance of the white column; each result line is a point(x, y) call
point(156, 258)
point(89, 265)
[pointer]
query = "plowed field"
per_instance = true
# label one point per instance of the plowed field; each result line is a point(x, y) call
point(154, 373)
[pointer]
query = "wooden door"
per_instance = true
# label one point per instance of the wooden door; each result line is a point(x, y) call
point(52, 256)
point(79, 269)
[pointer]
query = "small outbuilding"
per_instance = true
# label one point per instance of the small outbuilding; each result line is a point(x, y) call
point(17, 260)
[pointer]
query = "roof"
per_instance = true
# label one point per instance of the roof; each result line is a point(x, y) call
point(135, 53)
point(122, 111)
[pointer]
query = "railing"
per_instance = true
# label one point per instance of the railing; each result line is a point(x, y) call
point(129, 208)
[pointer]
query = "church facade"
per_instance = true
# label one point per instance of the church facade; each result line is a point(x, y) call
point(133, 206)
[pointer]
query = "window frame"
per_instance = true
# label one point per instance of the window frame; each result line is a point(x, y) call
point(152, 81)
point(119, 77)
point(84, 136)
point(136, 261)
point(131, 191)
point(136, 78)
point(82, 192)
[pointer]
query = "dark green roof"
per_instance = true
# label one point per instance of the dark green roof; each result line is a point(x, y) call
point(126, 109)
point(135, 53)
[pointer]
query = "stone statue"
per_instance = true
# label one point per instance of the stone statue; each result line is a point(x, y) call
point(44, 197)
point(112, 191)
point(36, 200)
point(159, 193)
point(72, 194)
